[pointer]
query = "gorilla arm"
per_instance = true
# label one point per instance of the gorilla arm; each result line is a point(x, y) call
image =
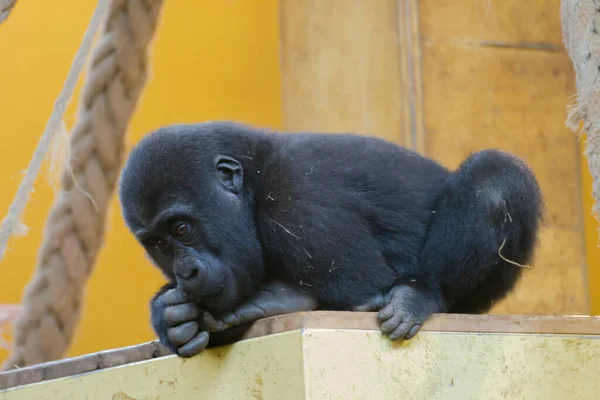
point(275, 298)
point(184, 329)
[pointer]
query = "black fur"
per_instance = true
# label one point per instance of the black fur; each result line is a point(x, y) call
point(291, 222)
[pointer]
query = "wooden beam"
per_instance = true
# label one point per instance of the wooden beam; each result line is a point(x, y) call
point(496, 76)
point(342, 68)
point(412, 84)
point(592, 242)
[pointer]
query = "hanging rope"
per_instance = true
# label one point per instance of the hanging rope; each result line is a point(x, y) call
point(11, 224)
point(75, 227)
point(6, 7)
point(581, 34)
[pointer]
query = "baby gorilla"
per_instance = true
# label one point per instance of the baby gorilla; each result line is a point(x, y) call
point(247, 224)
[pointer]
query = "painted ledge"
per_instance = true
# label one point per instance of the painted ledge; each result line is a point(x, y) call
point(344, 324)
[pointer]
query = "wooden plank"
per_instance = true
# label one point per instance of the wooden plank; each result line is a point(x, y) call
point(341, 68)
point(311, 320)
point(591, 235)
point(479, 97)
point(572, 325)
point(533, 24)
point(82, 364)
point(494, 75)
point(556, 283)
point(412, 85)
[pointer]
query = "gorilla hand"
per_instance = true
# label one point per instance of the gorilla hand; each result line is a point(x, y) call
point(177, 322)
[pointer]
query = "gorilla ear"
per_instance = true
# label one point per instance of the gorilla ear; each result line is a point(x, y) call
point(231, 173)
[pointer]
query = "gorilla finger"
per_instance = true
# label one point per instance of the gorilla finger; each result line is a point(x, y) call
point(194, 346)
point(401, 331)
point(210, 324)
point(173, 297)
point(369, 306)
point(233, 319)
point(183, 333)
point(175, 315)
point(387, 312)
point(413, 331)
point(391, 324)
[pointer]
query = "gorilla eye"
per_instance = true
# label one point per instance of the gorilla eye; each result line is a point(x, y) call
point(181, 230)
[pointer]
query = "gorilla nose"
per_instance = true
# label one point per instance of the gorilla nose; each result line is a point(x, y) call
point(188, 272)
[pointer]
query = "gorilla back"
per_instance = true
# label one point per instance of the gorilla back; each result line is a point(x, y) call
point(247, 223)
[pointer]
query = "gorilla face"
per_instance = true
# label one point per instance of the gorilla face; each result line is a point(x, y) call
point(198, 228)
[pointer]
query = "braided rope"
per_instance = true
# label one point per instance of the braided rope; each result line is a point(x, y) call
point(6, 7)
point(581, 35)
point(11, 224)
point(75, 227)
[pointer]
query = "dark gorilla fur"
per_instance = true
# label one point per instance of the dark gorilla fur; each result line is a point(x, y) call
point(246, 224)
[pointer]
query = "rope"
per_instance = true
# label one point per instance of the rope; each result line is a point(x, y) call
point(581, 34)
point(11, 224)
point(75, 227)
point(6, 7)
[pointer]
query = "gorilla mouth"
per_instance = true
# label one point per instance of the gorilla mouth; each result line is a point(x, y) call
point(216, 292)
point(201, 298)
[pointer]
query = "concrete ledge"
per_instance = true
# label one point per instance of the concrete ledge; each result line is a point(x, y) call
point(551, 351)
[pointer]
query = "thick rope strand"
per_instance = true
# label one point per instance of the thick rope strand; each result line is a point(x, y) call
point(75, 227)
point(580, 22)
point(6, 6)
point(11, 224)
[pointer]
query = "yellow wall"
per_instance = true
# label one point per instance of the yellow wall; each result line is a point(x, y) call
point(591, 237)
point(212, 60)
